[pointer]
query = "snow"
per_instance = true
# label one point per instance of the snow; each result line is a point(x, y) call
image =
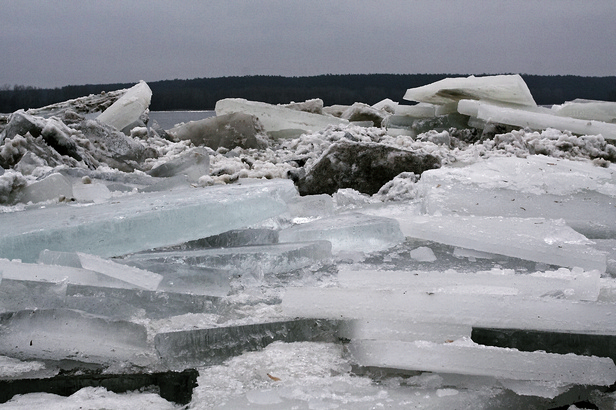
point(142, 253)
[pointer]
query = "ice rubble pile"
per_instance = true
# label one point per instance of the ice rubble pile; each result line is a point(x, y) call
point(478, 251)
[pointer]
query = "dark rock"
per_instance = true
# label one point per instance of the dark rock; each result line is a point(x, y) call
point(365, 167)
point(228, 131)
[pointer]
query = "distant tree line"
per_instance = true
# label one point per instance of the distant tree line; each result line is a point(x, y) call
point(202, 93)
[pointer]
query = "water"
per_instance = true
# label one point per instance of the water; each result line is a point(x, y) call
point(168, 119)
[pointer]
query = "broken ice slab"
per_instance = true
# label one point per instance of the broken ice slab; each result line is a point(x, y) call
point(404, 330)
point(540, 121)
point(23, 294)
point(527, 187)
point(587, 110)
point(54, 186)
point(232, 238)
point(128, 108)
point(509, 89)
point(278, 120)
point(348, 232)
point(58, 334)
point(485, 310)
point(534, 239)
point(464, 357)
point(311, 206)
point(257, 259)
point(32, 272)
point(135, 276)
point(91, 192)
point(576, 285)
point(551, 342)
point(215, 345)
point(134, 223)
point(129, 303)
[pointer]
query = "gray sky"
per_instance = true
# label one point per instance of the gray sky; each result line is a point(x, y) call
point(52, 43)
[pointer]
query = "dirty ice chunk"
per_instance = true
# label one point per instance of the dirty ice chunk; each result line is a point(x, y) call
point(278, 119)
point(194, 164)
point(468, 358)
point(256, 259)
point(135, 276)
point(404, 330)
point(33, 272)
point(533, 239)
point(138, 222)
point(503, 88)
point(576, 285)
point(348, 232)
point(540, 121)
point(128, 108)
point(485, 310)
point(587, 110)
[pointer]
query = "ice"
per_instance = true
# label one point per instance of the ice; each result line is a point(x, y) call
point(510, 89)
point(88, 191)
point(278, 120)
point(484, 310)
point(587, 110)
point(468, 358)
point(32, 272)
point(348, 232)
point(194, 164)
point(232, 238)
point(55, 187)
point(57, 334)
point(540, 120)
point(527, 187)
point(138, 277)
point(423, 254)
point(256, 260)
point(404, 330)
point(576, 285)
point(130, 303)
point(311, 206)
point(128, 108)
point(139, 222)
point(534, 239)
point(214, 345)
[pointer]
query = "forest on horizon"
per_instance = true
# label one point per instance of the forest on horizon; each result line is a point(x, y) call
point(346, 89)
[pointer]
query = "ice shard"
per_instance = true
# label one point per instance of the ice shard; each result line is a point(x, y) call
point(128, 108)
point(348, 232)
point(485, 310)
point(58, 334)
point(214, 345)
point(54, 186)
point(471, 359)
point(138, 277)
point(403, 330)
point(256, 259)
point(278, 120)
point(33, 272)
point(526, 187)
point(510, 89)
point(138, 222)
point(576, 285)
point(534, 239)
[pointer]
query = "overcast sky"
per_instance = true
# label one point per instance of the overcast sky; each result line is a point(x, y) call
point(52, 43)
